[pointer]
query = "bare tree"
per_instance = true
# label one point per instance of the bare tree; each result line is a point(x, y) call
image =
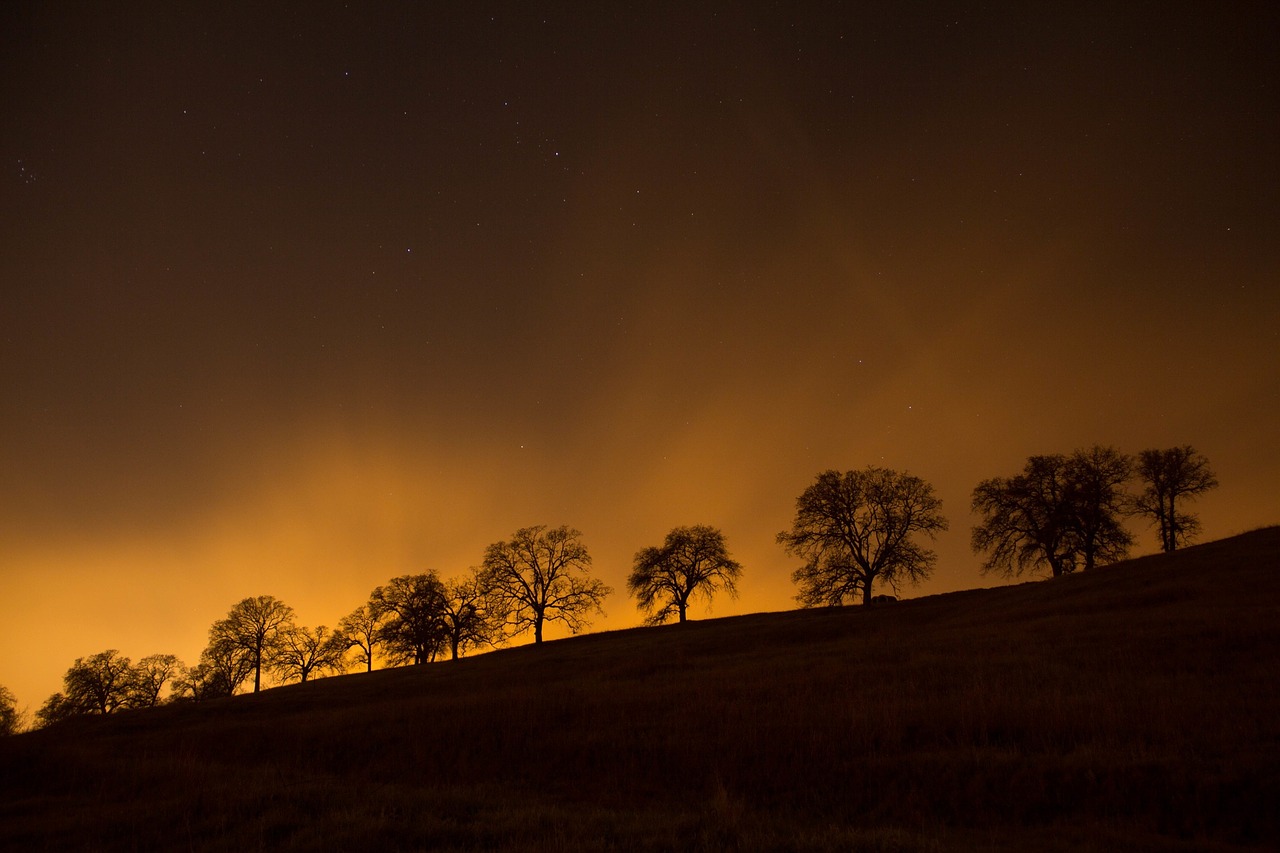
point(1025, 521)
point(56, 709)
point(541, 575)
point(1062, 513)
point(99, 684)
point(254, 626)
point(224, 665)
point(857, 528)
point(411, 609)
point(1169, 478)
point(471, 616)
point(10, 716)
point(220, 672)
point(148, 678)
point(691, 560)
point(360, 629)
point(301, 652)
point(1098, 504)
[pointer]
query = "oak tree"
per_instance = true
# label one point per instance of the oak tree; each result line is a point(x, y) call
point(99, 684)
point(57, 708)
point(254, 627)
point(411, 611)
point(1169, 478)
point(690, 561)
point(1099, 503)
point(858, 528)
point(361, 629)
point(1062, 513)
point(149, 677)
point(222, 668)
point(471, 616)
point(10, 716)
point(302, 652)
point(542, 575)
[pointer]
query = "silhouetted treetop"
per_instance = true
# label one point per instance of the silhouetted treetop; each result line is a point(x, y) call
point(1169, 478)
point(410, 609)
point(542, 575)
point(690, 561)
point(253, 629)
point(472, 615)
point(857, 528)
point(10, 718)
point(1061, 513)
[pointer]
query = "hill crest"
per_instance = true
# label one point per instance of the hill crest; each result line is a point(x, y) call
point(1133, 706)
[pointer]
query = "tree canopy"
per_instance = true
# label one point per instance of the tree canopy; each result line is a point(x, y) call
point(149, 677)
point(1062, 513)
point(542, 575)
point(1169, 478)
point(10, 716)
point(301, 652)
point(252, 630)
point(471, 615)
point(361, 629)
point(411, 611)
point(858, 528)
point(690, 561)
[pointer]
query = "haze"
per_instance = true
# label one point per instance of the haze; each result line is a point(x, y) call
point(297, 300)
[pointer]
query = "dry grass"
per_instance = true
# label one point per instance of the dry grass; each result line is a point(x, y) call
point(1132, 708)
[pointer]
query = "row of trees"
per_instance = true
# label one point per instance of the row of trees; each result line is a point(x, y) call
point(1062, 513)
point(854, 530)
point(539, 576)
point(108, 682)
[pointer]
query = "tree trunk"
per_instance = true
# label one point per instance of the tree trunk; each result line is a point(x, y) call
point(682, 607)
point(537, 628)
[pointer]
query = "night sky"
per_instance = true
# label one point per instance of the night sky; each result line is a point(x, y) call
point(300, 297)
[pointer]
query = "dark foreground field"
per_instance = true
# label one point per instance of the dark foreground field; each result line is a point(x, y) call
point(1134, 708)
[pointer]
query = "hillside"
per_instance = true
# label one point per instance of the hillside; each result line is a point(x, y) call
point(1135, 707)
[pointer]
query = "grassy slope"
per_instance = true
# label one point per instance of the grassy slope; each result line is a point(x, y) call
point(1135, 707)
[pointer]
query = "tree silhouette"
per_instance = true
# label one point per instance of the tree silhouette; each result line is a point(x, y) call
point(1170, 477)
point(254, 627)
point(1061, 513)
point(226, 666)
point(98, 684)
point(360, 629)
point(411, 610)
point(301, 652)
point(691, 560)
point(220, 672)
point(541, 575)
point(56, 709)
point(471, 616)
point(10, 716)
point(148, 678)
point(1025, 523)
point(857, 528)
point(1098, 504)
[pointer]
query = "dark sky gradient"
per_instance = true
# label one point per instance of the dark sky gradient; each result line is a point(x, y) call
point(299, 298)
